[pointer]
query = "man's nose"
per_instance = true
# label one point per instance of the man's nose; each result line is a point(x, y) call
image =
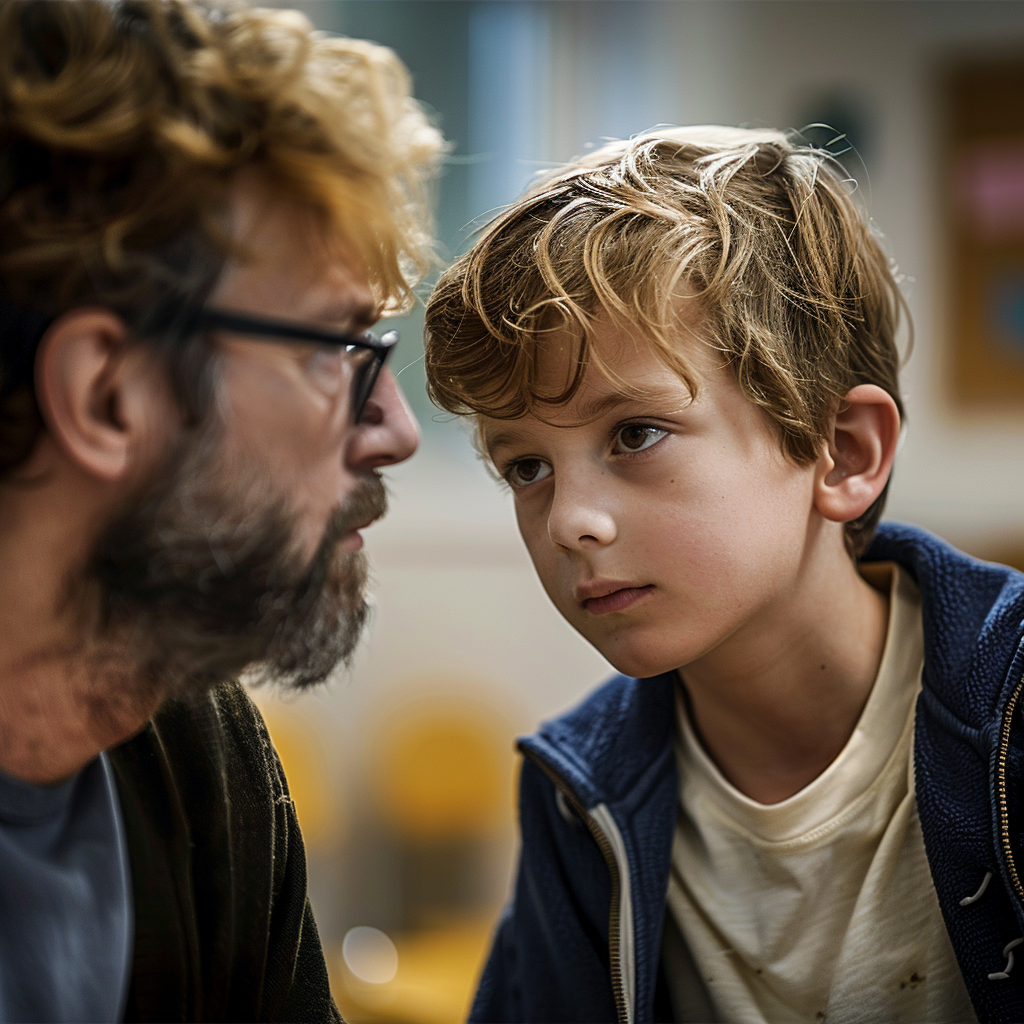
point(579, 517)
point(387, 431)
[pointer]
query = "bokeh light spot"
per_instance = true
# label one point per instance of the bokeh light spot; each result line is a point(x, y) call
point(370, 955)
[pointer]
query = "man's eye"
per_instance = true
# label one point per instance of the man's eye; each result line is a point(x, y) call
point(330, 358)
point(527, 471)
point(635, 437)
point(327, 367)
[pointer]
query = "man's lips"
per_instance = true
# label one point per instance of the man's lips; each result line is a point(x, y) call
point(600, 598)
point(353, 540)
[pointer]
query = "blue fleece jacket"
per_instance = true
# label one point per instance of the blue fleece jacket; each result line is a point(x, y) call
point(581, 939)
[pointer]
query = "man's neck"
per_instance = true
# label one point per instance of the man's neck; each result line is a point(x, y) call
point(775, 704)
point(59, 708)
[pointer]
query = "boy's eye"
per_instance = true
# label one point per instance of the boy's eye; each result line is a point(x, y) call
point(527, 471)
point(635, 437)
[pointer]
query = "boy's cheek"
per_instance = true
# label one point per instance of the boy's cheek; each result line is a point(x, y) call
point(551, 573)
point(533, 528)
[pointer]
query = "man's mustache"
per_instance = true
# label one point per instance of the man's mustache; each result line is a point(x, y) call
point(366, 504)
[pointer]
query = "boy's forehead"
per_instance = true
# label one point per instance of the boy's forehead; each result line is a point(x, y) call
point(631, 360)
point(636, 379)
point(557, 354)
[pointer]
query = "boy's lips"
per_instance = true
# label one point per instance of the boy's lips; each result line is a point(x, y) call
point(601, 596)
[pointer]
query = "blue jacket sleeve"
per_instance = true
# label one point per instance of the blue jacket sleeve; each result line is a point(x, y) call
point(549, 961)
point(497, 997)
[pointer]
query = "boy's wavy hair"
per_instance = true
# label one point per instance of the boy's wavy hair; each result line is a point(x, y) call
point(792, 285)
point(123, 124)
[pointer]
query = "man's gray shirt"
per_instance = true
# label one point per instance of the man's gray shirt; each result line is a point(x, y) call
point(65, 899)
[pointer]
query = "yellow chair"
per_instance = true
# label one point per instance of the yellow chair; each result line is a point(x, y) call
point(442, 776)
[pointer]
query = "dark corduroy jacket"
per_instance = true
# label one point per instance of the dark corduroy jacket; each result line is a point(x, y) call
point(223, 928)
point(582, 937)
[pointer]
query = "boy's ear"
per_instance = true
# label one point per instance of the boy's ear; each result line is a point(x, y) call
point(98, 393)
point(855, 468)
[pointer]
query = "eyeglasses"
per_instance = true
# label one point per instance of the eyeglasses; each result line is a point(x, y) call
point(369, 353)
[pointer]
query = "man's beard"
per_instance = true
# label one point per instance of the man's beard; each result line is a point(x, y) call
point(201, 579)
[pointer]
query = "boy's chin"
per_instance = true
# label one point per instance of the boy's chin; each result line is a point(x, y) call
point(639, 663)
point(652, 646)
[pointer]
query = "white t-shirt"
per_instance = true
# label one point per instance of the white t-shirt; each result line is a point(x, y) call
point(821, 907)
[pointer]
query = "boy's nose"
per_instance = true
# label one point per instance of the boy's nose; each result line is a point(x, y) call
point(576, 523)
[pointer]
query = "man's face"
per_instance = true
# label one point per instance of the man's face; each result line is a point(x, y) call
point(286, 405)
point(247, 551)
point(660, 527)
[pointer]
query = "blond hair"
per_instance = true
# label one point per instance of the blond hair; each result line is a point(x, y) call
point(761, 233)
point(125, 121)
point(123, 125)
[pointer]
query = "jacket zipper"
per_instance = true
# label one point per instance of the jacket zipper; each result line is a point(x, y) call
point(1004, 814)
point(603, 844)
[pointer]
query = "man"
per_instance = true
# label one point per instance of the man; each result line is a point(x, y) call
point(202, 210)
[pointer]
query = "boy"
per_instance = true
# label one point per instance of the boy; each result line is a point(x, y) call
point(799, 801)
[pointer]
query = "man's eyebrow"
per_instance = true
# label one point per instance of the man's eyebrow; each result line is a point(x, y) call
point(355, 318)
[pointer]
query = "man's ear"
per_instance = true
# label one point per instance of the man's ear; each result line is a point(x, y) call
point(99, 395)
point(854, 470)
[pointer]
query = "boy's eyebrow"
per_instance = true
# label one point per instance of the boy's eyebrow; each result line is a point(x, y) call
point(594, 408)
point(591, 409)
point(503, 439)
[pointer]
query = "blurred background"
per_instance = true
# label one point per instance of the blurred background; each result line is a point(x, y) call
point(403, 771)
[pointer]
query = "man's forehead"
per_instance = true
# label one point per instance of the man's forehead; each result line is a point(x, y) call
point(341, 301)
point(285, 258)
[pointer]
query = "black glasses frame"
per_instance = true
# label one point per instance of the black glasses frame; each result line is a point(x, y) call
point(365, 377)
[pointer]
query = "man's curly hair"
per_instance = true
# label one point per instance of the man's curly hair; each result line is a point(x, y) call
point(123, 124)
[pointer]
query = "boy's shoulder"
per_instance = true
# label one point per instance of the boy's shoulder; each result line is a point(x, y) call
point(973, 618)
point(951, 581)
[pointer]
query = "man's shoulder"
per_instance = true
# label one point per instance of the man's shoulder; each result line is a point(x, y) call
point(224, 720)
point(219, 735)
point(218, 869)
point(212, 758)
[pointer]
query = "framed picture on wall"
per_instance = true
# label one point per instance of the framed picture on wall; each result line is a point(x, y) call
point(984, 206)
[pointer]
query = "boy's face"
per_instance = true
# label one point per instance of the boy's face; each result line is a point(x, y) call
point(662, 529)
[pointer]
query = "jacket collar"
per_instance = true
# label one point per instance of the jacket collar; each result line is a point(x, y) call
point(972, 612)
point(604, 746)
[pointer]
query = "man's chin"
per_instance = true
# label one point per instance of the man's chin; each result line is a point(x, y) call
point(200, 581)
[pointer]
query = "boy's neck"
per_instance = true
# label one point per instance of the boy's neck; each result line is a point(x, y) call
point(775, 706)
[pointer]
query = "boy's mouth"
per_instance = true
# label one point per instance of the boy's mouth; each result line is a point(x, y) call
point(611, 597)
